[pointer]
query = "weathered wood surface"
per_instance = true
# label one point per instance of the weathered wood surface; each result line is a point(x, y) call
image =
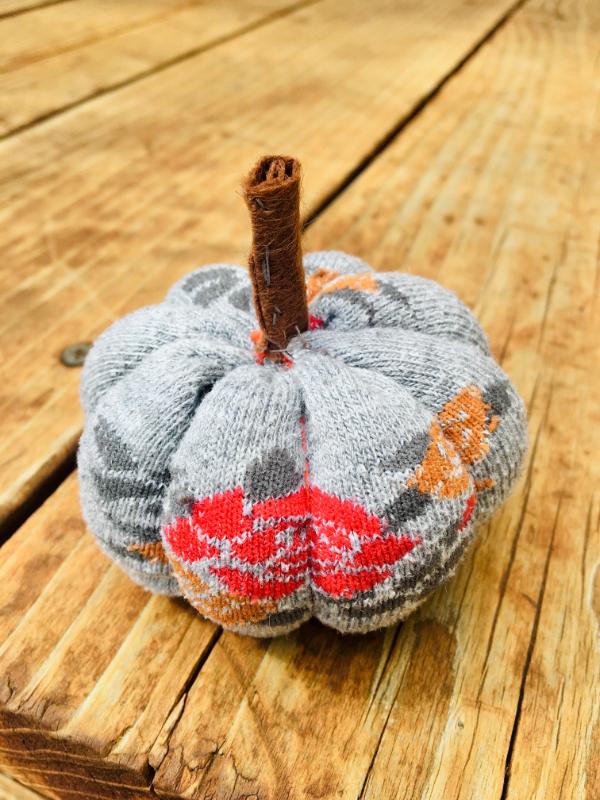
point(104, 206)
point(14, 7)
point(490, 690)
point(11, 790)
point(99, 45)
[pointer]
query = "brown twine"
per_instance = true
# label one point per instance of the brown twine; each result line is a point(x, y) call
point(272, 194)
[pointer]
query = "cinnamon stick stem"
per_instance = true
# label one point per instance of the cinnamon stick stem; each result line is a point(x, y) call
point(272, 194)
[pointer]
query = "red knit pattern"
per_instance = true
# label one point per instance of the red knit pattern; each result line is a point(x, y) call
point(340, 547)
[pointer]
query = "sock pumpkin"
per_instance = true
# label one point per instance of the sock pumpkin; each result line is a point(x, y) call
point(308, 438)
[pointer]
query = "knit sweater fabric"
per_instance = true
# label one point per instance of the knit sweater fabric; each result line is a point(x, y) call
point(342, 481)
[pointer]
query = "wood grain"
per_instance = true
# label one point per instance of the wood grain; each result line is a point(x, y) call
point(104, 207)
point(106, 672)
point(11, 790)
point(14, 7)
point(490, 690)
point(557, 747)
point(92, 47)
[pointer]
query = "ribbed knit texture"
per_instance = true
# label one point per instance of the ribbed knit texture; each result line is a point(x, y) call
point(341, 482)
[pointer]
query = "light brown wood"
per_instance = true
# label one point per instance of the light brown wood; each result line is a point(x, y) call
point(11, 790)
point(557, 746)
point(104, 207)
point(93, 46)
point(490, 690)
point(14, 7)
point(67, 27)
point(87, 653)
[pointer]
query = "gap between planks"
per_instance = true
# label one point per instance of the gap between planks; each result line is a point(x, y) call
point(411, 116)
point(34, 5)
point(168, 63)
point(528, 657)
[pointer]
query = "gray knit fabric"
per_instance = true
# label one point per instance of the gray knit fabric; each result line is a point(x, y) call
point(343, 483)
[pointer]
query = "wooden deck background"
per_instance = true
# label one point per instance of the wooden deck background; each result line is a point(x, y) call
point(456, 139)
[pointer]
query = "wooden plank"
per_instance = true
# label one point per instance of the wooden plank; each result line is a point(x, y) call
point(557, 746)
point(83, 53)
point(11, 790)
point(493, 190)
point(66, 27)
point(14, 7)
point(146, 185)
point(109, 646)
